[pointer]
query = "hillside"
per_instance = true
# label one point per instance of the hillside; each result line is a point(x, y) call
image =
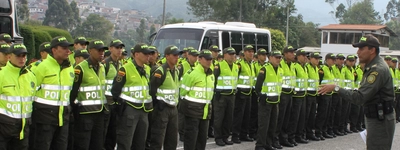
point(177, 8)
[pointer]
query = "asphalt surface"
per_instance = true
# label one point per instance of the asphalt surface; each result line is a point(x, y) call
point(348, 142)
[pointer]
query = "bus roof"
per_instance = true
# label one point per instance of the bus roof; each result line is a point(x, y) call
point(228, 26)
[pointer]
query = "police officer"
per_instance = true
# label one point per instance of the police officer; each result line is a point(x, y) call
point(335, 120)
point(388, 59)
point(44, 50)
point(4, 37)
point(184, 54)
point(311, 99)
point(79, 44)
point(183, 68)
point(164, 83)
point(215, 51)
point(357, 112)
point(241, 55)
point(220, 57)
point(268, 87)
point(349, 76)
point(16, 101)
point(298, 111)
point(55, 77)
point(111, 67)
point(197, 91)
point(131, 91)
point(261, 61)
point(288, 83)
point(88, 101)
point(245, 85)
point(375, 94)
point(80, 55)
point(4, 53)
point(226, 73)
point(324, 101)
point(153, 59)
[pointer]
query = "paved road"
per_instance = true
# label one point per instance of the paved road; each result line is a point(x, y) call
point(348, 142)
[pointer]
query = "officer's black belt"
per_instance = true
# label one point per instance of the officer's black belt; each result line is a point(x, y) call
point(373, 110)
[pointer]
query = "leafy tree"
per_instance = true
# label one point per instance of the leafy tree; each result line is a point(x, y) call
point(394, 42)
point(152, 29)
point(141, 31)
point(278, 39)
point(96, 26)
point(23, 11)
point(174, 20)
point(58, 14)
point(75, 20)
point(361, 13)
point(392, 10)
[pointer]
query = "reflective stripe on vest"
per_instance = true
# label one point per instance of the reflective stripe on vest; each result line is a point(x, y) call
point(13, 107)
point(311, 85)
point(272, 91)
point(55, 87)
point(300, 85)
point(91, 88)
point(348, 84)
point(51, 102)
point(90, 102)
point(134, 88)
point(134, 100)
point(196, 100)
point(108, 87)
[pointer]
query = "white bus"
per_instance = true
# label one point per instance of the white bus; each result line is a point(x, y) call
point(8, 19)
point(202, 35)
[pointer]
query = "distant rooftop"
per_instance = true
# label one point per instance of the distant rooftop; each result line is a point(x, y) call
point(358, 27)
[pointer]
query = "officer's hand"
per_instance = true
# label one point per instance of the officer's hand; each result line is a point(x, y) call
point(326, 88)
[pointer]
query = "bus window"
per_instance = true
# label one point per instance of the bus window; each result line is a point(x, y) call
point(212, 39)
point(5, 7)
point(5, 25)
point(225, 40)
point(236, 41)
point(205, 43)
point(263, 41)
point(249, 39)
point(180, 37)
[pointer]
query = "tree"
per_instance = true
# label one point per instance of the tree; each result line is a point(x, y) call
point(174, 20)
point(394, 42)
point(392, 10)
point(361, 13)
point(278, 39)
point(141, 31)
point(75, 20)
point(58, 14)
point(96, 26)
point(152, 29)
point(23, 11)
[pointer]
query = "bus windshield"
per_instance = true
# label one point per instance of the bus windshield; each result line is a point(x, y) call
point(5, 6)
point(5, 25)
point(180, 37)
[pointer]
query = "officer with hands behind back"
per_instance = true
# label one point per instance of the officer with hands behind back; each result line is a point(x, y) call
point(375, 94)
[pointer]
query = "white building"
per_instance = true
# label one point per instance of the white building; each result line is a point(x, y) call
point(338, 38)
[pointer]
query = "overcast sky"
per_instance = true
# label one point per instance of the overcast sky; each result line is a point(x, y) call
point(317, 11)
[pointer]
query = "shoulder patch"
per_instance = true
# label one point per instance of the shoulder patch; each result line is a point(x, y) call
point(77, 71)
point(121, 73)
point(157, 75)
point(372, 77)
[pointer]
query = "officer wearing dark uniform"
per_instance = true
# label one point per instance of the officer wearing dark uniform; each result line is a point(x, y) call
point(51, 109)
point(130, 91)
point(164, 90)
point(311, 99)
point(4, 37)
point(89, 104)
point(268, 87)
point(226, 73)
point(17, 91)
point(111, 67)
point(4, 51)
point(375, 94)
point(197, 91)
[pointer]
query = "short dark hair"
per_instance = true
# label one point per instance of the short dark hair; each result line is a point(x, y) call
point(376, 48)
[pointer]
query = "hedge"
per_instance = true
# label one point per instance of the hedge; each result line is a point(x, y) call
point(40, 37)
point(36, 35)
point(29, 40)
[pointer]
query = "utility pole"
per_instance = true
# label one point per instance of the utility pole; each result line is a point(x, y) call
point(287, 23)
point(240, 13)
point(163, 15)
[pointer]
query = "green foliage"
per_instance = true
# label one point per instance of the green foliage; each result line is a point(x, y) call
point(361, 13)
point(59, 14)
point(40, 36)
point(75, 20)
point(392, 10)
point(174, 20)
point(141, 31)
point(54, 32)
point(23, 11)
point(97, 27)
point(33, 22)
point(29, 40)
point(278, 39)
point(394, 42)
